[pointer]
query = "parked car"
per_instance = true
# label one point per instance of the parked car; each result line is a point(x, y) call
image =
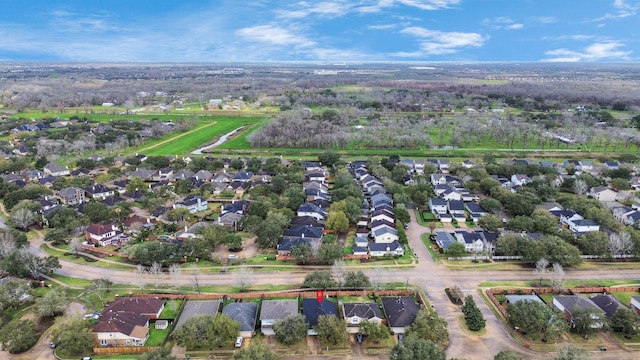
point(239, 342)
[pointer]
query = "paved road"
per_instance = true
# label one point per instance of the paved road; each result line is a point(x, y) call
point(427, 275)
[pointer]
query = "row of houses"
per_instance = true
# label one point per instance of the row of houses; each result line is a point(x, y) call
point(599, 306)
point(126, 321)
point(376, 233)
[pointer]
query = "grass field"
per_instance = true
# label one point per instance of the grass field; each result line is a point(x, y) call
point(182, 143)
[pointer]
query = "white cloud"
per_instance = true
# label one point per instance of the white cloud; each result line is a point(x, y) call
point(338, 8)
point(433, 42)
point(502, 23)
point(328, 9)
point(382, 27)
point(545, 19)
point(621, 10)
point(594, 52)
point(273, 35)
point(577, 37)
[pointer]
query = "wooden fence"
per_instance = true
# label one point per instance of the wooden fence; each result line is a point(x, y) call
point(123, 350)
point(306, 293)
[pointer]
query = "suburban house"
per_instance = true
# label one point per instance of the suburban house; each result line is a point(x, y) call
point(385, 235)
point(238, 207)
point(274, 310)
point(192, 231)
point(456, 208)
point(583, 226)
point(103, 234)
point(198, 307)
point(608, 303)
point(473, 241)
point(285, 246)
point(98, 191)
point(356, 313)
point(123, 328)
point(243, 176)
point(400, 312)
point(383, 215)
point(194, 204)
point(602, 193)
point(381, 249)
point(246, 314)
point(303, 231)
point(54, 169)
point(635, 303)
point(438, 205)
point(312, 309)
point(71, 196)
point(444, 239)
point(475, 211)
point(569, 303)
point(309, 209)
point(229, 219)
point(520, 179)
point(125, 321)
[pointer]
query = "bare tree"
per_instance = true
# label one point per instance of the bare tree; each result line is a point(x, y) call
point(100, 288)
point(339, 270)
point(620, 244)
point(156, 271)
point(23, 218)
point(557, 277)
point(7, 244)
point(541, 269)
point(141, 270)
point(243, 276)
point(196, 276)
point(174, 272)
point(76, 246)
point(376, 279)
point(580, 187)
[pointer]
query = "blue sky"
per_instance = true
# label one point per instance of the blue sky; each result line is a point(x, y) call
point(334, 30)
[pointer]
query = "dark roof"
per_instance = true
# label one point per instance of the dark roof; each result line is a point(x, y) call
point(456, 205)
point(303, 231)
point(475, 208)
point(244, 313)
point(444, 239)
point(306, 220)
point(362, 310)
point(438, 201)
point(392, 246)
point(312, 309)
point(608, 303)
point(288, 244)
point(138, 305)
point(400, 310)
point(572, 302)
point(198, 307)
point(119, 321)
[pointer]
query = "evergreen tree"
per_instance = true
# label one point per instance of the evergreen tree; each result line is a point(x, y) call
point(472, 314)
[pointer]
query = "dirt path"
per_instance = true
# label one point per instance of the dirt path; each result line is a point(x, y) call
point(173, 138)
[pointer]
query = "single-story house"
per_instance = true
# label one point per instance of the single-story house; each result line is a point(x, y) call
point(381, 249)
point(198, 307)
point(244, 313)
point(312, 309)
point(274, 310)
point(569, 303)
point(356, 313)
point(400, 312)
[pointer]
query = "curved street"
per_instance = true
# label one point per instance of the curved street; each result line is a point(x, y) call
point(427, 275)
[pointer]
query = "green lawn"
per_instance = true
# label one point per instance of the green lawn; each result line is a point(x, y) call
point(430, 249)
point(156, 336)
point(170, 309)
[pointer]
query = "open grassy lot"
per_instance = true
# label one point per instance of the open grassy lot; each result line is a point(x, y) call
point(182, 143)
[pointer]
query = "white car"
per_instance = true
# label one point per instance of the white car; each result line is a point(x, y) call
point(239, 342)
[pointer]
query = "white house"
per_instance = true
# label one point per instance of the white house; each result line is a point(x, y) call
point(602, 193)
point(385, 235)
point(438, 205)
point(381, 249)
point(194, 204)
point(584, 225)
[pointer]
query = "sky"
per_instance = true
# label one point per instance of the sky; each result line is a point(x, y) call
point(316, 30)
